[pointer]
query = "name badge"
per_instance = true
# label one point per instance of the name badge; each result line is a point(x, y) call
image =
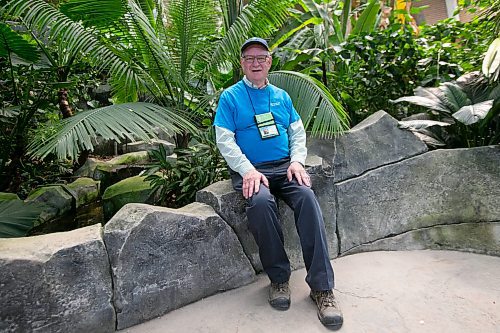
point(266, 125)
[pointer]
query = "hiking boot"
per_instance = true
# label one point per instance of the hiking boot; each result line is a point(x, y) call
point(279, 296)
point(328, 310)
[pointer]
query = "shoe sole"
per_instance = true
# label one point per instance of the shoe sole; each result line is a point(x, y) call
point(334, 325)
point(280, 304)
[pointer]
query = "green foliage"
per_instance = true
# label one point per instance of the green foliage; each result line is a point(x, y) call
point(194, 168)
point(29, 104)
point(453, 48)
point(114, 122)
point(320, 112)
point(468, 107)
point(11, 42)
point(374, 68)
point(17, 218)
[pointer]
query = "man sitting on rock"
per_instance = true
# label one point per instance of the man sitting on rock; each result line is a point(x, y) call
point(262, 138)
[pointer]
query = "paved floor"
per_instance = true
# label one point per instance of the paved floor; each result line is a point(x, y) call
point(414, 291)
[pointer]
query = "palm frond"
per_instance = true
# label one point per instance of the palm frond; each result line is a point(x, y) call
point(150, 9)
point(134, 121)
point(192, 25)
point(254, 20)
point(40, 16)
point(11, 42)
point(94, 13)
point(321, 113)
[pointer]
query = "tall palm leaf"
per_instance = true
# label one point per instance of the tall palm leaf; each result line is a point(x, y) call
point(11, 42)
point(321, 113)
point(258, 18)
point(130, 121)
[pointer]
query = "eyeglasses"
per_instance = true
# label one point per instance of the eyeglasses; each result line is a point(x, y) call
point(250, 59)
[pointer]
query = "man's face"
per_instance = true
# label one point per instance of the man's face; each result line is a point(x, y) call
point(255, 71)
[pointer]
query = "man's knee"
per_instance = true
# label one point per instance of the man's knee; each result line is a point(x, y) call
point(306, 195)
point(262, 199)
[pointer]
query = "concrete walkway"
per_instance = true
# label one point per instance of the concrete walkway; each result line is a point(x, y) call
point(414, 291)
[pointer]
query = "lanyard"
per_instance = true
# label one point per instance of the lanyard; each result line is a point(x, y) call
point(250, 98)
point(265, 122)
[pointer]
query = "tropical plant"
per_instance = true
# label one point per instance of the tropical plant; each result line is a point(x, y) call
point(316, 33)
point(469, 108)
point(452, 48)
point(163, 55)
point(489, 10)
point(33, 91)
point(177, 180)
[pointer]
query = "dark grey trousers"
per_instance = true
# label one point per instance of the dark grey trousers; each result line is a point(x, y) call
point(263, 223)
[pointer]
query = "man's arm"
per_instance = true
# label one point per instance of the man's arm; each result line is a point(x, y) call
point(238, 162)
point(298, 153)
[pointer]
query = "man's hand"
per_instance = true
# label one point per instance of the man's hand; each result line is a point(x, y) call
point(251, 183)
point(297, 170)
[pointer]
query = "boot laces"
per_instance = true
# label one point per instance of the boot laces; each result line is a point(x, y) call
point(327, 298)
point(281, 287)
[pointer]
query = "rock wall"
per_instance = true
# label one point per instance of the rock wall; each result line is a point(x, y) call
point(378, 186)
point(435, 189)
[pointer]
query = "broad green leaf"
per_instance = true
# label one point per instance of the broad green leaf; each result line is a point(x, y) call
point(17, 218)
point(491, 62)
point(471, 114)
point(366, 22)
point(419, 124)
point(422, 101)
point(454, 97)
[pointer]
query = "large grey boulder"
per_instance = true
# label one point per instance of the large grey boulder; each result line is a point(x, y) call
point(230, 205)
point(163, 258)
point(374, 142)
point(59, 282)
point(437, 188)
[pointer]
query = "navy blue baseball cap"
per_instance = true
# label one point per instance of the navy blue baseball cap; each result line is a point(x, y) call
point(254, 41)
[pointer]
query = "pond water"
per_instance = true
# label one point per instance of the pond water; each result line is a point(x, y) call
point(84, 216)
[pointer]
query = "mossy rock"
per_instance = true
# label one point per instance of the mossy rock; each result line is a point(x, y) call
point(84, 190)
point(5, 196)
point(130, 190)
point(135, 158)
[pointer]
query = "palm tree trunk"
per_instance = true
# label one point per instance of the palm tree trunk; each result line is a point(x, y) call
point(63, 103)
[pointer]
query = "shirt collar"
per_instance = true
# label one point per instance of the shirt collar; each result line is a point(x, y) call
point(251, 85)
